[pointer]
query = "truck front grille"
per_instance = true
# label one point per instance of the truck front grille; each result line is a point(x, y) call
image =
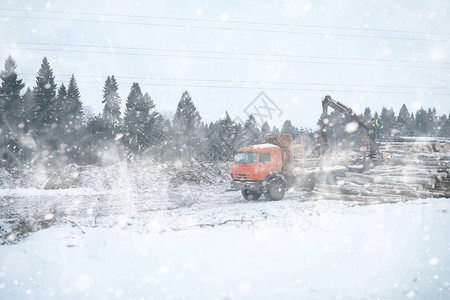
point(242, 176)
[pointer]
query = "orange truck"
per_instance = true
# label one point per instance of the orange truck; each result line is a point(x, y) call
point(266, 168)
point(274, 166)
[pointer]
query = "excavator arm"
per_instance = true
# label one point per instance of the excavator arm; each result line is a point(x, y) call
point(368, 126)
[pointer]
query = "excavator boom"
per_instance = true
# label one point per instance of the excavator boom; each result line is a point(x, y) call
point(328, 101)
point(368, 126)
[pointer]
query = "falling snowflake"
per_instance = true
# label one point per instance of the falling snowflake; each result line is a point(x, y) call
point(351, 127)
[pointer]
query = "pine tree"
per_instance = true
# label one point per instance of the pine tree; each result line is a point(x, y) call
point(74, 128)
point(111, 110)
point(10, 93)
point(221, 137)
point(288, 128)
point(422, 125)
point(404, 123)
point(60, 104)
point(367, 114)
point(131, 103)
point(29, 109)
point(74, 109)
point(432, 121)
point(59, 139)
point(45, 123)
point(11, 115)
point(143, 124)
point(275, 131)
point(265, 129)
point(44, 96)
point(444, 126)
point(250, 133)
point(186, 129)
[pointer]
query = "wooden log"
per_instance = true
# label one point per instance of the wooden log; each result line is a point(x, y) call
point(377, 192)
point(446, 147)
point(325, 196)
point(406, 172)
point(437, 146)
point(424, 180)
point(433, 157)
point(370, 199)
point(386, 185)
point(432, 183)
point(416, 162)
point(409, 139)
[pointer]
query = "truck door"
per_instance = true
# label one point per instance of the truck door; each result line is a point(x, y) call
point(277, 158)
point(266, 164)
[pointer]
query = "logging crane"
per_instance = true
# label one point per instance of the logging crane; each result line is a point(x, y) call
point(272, 167)
point(371, 127)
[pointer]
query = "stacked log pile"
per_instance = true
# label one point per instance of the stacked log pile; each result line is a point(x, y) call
point(411, 169)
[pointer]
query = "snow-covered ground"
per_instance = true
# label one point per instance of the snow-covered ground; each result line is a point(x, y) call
point(139, 240)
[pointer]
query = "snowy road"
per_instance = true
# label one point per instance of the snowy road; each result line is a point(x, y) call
point(139, 245)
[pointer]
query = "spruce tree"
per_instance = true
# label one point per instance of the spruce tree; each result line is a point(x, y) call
point(422, 125)
point(444, 126)
point(29, 109)
point(367, 114)
point(265, 129)
point(375, 115)
point(250, 133)
point(10, 90)
point(111, 99)
point(403, 123)
point(221, 136)
point(73, 122)
point(59, 111)
point(143, 124)
point(44, 96)
point(45, 123)
point(11, 115)
point(74, 107)
point(187, 129)
point(432, 121)
point(288, 128)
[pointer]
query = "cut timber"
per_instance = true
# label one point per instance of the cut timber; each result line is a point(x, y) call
point(437, 146)
point(432, 183)
point(413, 168)
point(389, 179)
point(386, 185)
point(446, 147)
point(331, 196)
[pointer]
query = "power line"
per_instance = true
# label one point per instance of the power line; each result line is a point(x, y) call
point(294, 89)
point(226, 28)
point(228, 21)
point(262, 83)
point(227, 58)
point(326, 90)
point(219, 52)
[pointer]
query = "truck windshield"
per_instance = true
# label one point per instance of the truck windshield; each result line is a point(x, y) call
point(246, 157)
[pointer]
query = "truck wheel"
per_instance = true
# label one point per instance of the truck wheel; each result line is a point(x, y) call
point(250, 195)
point(275, 189)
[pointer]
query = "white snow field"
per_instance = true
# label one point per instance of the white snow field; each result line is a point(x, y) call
point(135, 241)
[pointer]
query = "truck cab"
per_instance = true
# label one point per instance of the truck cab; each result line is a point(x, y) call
point(256, 170)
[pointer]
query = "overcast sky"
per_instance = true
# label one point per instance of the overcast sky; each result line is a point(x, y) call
point(225, 53)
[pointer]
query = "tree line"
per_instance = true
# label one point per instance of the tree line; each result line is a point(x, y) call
point(47, 125)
